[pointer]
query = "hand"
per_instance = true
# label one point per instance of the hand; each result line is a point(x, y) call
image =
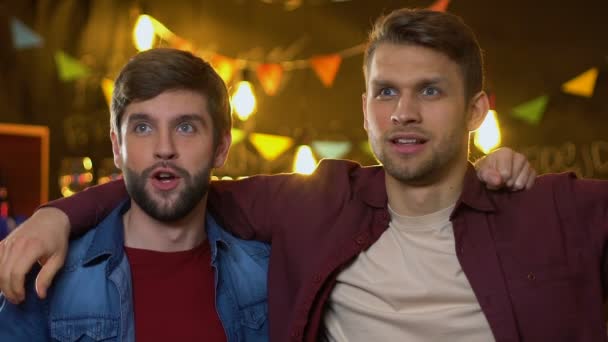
point(505, 168)
point(43, 238)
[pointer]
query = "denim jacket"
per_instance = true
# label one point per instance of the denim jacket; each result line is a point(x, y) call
point(91, 297)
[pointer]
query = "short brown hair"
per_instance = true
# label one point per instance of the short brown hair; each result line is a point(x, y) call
point(152, 72)
point(443, 32)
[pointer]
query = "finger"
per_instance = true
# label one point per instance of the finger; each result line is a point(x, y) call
point(491, 177)
point(4, 252)
point(47, 273)
point(531, 179)
point(519, 165)
point(504, 166)
point(19, 262)
point(522, 178)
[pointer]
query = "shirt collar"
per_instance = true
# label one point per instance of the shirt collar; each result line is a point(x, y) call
point(474, 194)
point(370, 186)
point(216, 236)
point(372, 189)
point(108, 240)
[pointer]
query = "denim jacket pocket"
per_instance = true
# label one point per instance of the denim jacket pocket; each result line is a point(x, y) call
point(254, 316)
point(84, 329)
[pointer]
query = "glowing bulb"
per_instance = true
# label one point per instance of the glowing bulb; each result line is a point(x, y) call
point(243, 100)
point(143, 34)
point(87, 163)
point(487, 136)
point(304, 162)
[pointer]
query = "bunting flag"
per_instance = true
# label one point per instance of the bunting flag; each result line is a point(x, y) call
point(107, 86)
point(331, 149)
point(270, 146)
point(70, 68)
point(237, 135)
point(365, 147)
point(440, 6)
point(583, 84)
point(533, 110)
point(23, 36)
point(224, 66)
point(270, 76)
point(326, 67)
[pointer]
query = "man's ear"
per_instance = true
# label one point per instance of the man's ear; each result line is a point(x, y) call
point(364, 104)
point(478, 109)
point(116, 149)
point(221, 151)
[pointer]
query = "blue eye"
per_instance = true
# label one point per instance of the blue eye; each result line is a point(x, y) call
point(186, 128)
point(142, 128)
point(430, 91)
point(387, 92)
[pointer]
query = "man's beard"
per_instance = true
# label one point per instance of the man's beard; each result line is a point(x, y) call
point(195, 188)
point(424, 170)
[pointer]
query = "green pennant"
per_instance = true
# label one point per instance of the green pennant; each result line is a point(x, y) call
point(532, 111)
point(331, 149)
point(69, 68)
point(237, 135)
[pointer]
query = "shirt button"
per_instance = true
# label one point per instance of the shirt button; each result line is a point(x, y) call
point(531, 276)
point(360, 240)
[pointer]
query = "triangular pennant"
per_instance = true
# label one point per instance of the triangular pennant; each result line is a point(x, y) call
point(533, 110)
point(331, 149)
point(365, 147)
point(270, 76)
point(107, 86)
point(326, 67)
point(70, 68)
point(224, 66)
point(270, 146)
point(440, 6)
point(583, 84)
point(237, 135)
point(23, 36)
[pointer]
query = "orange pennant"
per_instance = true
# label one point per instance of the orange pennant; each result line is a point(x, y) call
point(224, 66)
point(326, 67)
point(440, 6)
point(270, 76)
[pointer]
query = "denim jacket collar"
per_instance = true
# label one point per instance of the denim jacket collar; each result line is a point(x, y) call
point(109, 238)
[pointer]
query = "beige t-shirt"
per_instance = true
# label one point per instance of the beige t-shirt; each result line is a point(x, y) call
point(408, 286)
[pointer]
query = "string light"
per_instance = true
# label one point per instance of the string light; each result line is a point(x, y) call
point(487, 137)
point(143, 33)
point(243, 100)
point(305, 162)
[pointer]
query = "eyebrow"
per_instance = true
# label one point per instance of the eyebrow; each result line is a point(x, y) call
point(184, 117)
point(380, 83)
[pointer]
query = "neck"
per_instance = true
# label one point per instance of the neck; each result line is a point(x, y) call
point(437, 192)
point(144, 232)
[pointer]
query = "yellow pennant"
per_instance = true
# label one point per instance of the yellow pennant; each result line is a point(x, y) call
point(583, 84)
point(270, 146)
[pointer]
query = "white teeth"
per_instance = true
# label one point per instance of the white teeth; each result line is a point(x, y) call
point(407, 141)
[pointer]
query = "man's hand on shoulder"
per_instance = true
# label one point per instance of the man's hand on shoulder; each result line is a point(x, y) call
point(42, 238)
point(505, 168)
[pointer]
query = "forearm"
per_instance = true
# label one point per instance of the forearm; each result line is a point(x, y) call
point(87, 208)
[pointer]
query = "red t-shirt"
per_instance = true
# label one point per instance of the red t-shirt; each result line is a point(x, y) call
point(174, 295)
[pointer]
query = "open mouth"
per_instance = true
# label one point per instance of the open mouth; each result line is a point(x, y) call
point(164, 176)
point(408, 141)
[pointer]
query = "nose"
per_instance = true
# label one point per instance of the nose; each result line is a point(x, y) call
point(165, 147)
point(406, 112)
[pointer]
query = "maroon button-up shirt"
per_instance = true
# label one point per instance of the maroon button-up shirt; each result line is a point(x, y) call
point(535, 259)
